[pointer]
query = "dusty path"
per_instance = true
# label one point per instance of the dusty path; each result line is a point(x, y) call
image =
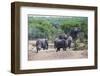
point(52, 54)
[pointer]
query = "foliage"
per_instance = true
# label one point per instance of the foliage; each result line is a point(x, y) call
point(52, 26)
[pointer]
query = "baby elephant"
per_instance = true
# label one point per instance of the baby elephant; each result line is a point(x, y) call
point(41, 43)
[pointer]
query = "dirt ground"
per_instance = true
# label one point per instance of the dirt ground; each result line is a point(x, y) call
point(51, 53)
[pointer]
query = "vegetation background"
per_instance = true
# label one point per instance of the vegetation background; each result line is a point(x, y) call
point(52, 26)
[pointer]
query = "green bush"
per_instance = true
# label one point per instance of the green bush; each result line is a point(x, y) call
point(51, 27)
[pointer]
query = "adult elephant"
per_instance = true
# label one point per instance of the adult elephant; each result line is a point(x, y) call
point(74, 32)
point(41, 43)
point(69, 41)
point(64, 42)
point(60, 43)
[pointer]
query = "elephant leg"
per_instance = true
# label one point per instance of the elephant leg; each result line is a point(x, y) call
point(37, 50)
point(47, 47)
point(69, 45)
point(64, 49)
point(58, 49)
point(43, 48)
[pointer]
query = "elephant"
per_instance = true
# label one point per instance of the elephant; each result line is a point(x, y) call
point(41, 43)
point(74, 32)
point(60, 43)
point(63, 42)
point(69, 41)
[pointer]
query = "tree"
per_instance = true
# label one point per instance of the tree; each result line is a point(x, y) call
point(51, 27)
